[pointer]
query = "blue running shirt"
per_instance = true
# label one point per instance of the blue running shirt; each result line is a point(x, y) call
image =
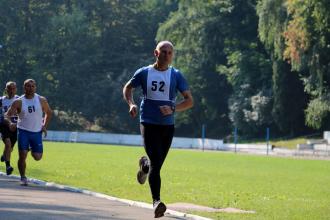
point(159, 88)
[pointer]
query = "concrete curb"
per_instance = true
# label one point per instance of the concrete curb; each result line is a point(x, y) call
point(100, 195)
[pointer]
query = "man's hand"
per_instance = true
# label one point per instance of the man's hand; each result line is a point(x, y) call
point(166, 110)
point(12, 127)
point(44, 130)
point(133, 110)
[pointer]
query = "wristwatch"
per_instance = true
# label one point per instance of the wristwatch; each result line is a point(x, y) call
point(173, 108)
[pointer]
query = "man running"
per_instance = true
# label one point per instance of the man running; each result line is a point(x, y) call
point(160, 83)
point(9, 136)
point(30, 108)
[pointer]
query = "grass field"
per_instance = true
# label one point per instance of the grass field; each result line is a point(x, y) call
point(291, 144)
point(276, 188)
point(280, 143)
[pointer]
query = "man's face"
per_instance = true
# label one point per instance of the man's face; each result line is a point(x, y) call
point(164, 54)
point(30, 88)
point(11, 90)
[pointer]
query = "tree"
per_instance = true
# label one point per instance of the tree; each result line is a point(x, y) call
point(287, 86)
point(80, 53)
point(194, 30)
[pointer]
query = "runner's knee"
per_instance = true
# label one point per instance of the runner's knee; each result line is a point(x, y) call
point(37, 156)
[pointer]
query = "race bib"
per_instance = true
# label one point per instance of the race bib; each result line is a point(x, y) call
point(158, 84)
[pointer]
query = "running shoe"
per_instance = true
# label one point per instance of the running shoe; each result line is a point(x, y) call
point(2, 159)
point(9, 170)
point(144, 170)
point(159, 208)
point(24, 181)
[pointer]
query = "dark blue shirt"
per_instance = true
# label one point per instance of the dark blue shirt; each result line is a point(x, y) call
point(159, 88)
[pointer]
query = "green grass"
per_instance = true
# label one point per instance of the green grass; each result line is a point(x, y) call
point(276, 188)
point(280, 143)
point(291, 144)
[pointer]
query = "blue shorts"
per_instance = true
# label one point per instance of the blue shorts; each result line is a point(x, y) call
point(29, 140)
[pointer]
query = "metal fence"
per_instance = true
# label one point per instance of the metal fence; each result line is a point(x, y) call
point(190, 143)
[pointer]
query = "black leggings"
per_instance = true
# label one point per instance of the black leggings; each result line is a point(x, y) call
point(157, 141)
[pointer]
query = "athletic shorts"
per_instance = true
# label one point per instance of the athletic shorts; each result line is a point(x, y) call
point(12, 135)
point(4, 130)
point(30, 140)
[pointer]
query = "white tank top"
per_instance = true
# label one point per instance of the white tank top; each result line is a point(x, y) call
point(30, 117)
point(6, 103)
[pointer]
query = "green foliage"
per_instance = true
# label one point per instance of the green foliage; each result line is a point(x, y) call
point(298, 31)
point(289, 99)
point(272, 17)
point(251, 100)
point(73, 121)
point(81, 52)
point(316, 112)
point(216, 38)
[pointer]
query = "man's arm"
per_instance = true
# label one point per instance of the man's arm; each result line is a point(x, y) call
point(48, 113)
point(9, 124)
point(186, 103)
point(128, 96)
point(13, 110)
